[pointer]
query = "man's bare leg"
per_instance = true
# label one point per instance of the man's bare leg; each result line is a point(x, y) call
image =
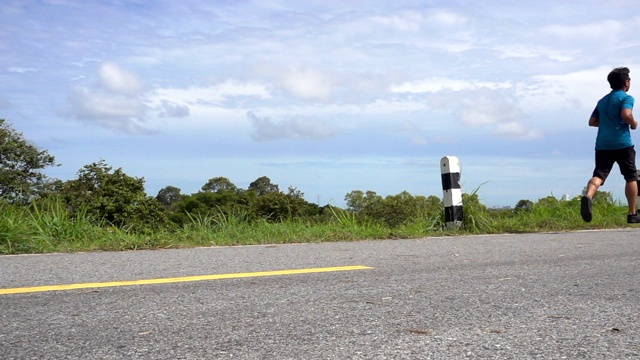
point(631, 192)
point(594, 184)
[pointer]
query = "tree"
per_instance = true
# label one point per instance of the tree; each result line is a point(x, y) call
point(21, 163)
point(295, 193)
point(548, 201)
point(169, 195)
point(207, 201)
point(434, 204)
point(524, 205)
point(277, 206)
point(358, 201)
point(219, 184)
point(603, 197)
point(112, 196)
point(394, 210)
point(263, 185)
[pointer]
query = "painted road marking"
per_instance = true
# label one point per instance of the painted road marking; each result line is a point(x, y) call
point(24, 290)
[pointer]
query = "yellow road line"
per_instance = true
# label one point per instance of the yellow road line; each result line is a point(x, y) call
point(23, 290)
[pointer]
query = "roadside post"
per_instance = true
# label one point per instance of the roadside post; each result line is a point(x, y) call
point(452, 192)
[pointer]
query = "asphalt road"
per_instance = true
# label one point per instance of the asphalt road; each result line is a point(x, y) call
point(530, 296)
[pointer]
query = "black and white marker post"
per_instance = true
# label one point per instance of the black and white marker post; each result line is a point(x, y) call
point(452, 192)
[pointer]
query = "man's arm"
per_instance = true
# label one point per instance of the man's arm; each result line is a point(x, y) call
point(627, 116)
point(594, 120)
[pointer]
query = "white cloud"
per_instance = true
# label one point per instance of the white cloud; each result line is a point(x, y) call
point(115, 79)
point(484, 109)
point(296, 127)
point(113, 111)
point(517, 130)
point(576, 91)
point(97, 104)
point(392, 106)
point(20, 70)
point(447, 18)
point(171, 109)
point(410, 22)
point(427, 28)
point(437, 84)
point(520, 51)
point(119, 102)
point(413, 129)
point(215, 95)
point(607, 29)
point(116, 103)
point(307, 84)
point(487, 108)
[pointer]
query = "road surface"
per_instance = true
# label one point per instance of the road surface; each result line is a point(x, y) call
point(526, 296)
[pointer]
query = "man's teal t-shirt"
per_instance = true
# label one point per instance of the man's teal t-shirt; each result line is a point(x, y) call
point(613, 132)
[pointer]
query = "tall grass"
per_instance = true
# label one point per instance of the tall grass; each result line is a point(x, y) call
point(46, 226)
point(14, 232)
point(53, 224)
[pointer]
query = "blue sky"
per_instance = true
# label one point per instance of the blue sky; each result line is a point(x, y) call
point(325, 96)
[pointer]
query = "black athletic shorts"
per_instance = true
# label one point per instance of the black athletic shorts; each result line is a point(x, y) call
point(626, 159)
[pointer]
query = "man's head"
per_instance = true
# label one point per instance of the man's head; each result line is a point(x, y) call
point(618, 78)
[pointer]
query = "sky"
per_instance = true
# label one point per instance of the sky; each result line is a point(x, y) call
point(323, 96)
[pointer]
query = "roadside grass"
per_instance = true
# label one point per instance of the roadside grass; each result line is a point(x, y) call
point(46, 226)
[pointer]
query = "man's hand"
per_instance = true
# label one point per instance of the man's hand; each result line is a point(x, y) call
point(627, 116)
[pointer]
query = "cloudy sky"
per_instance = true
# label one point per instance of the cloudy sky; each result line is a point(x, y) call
point(325, 96)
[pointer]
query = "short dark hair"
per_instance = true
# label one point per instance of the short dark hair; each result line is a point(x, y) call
point(617, 77)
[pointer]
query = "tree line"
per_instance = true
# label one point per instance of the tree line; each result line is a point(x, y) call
point(112, 197)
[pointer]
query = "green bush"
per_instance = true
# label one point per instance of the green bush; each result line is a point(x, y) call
point(393, 210)
point(278, 207)
point(112, 196)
